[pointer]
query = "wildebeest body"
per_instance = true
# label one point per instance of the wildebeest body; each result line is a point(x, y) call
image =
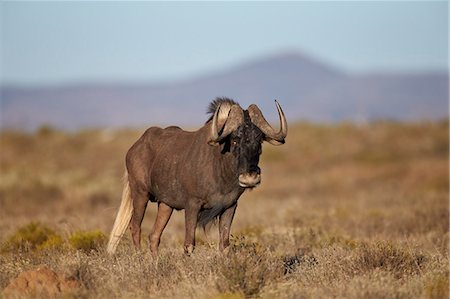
point(202, 172)
point(173, 166)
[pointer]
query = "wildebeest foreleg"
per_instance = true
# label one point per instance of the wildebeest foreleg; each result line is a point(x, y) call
point(191, 214)
point(225, 221)
point(140, 200)
point(162, 217)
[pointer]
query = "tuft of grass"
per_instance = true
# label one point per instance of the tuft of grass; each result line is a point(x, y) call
point(388, 257)
point(247, 269)
point(316, 237)
point(87, 241)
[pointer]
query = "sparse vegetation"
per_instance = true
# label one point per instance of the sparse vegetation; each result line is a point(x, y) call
point(344, 211)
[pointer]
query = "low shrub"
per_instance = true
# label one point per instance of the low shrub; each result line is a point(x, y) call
point(87, 241)
point(291, 262)
point(31, 237)
point(53, 242)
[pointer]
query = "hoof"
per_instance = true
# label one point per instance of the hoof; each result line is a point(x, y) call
point(226, 251)
point(188, 249)
point(154, 252)
point(154, 249)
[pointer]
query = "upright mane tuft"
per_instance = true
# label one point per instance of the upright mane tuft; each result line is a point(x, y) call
point(225, 103)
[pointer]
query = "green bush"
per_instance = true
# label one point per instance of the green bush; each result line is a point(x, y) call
point(33, 236)
point(87, 241)
point(53, 242)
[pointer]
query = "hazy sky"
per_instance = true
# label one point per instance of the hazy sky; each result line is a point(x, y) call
point(75, 42)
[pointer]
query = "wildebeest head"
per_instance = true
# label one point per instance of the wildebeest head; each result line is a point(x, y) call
point(241, 132)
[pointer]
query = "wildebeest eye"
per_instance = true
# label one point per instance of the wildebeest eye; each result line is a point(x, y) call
point(235, 141)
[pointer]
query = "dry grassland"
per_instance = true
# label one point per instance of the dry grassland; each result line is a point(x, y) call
point(344, 211)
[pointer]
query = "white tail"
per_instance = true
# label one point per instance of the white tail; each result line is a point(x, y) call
point(122, 219)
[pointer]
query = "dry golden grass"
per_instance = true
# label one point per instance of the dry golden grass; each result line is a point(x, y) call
point(344, 211)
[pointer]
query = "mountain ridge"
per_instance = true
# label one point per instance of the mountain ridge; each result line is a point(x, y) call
point(306, 88)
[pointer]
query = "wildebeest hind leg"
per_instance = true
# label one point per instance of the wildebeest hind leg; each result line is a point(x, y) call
point(140, 200)
point(162, 217)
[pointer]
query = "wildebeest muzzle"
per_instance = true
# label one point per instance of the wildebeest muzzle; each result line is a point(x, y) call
point(250, 179)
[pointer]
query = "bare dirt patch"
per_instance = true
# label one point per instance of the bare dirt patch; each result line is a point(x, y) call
point(41, 282)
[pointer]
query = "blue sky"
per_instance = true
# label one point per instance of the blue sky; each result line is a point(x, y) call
point(51, 43)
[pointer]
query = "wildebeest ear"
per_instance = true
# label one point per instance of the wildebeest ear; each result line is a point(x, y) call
point(213, 143)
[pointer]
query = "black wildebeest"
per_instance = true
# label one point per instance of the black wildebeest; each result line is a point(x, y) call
point(203, 172)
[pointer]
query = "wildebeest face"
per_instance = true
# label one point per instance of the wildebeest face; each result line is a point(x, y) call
point(245, 145)
point(243, 133)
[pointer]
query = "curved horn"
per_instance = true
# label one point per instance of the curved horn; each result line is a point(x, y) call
point(275, 138)
point(214, 134)
point(234, 119)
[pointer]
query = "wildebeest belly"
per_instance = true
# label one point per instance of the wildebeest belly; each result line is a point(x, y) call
point(222, 200)
point(166, 182)
point(169, 175)
point(216, 205)
point(176, 181)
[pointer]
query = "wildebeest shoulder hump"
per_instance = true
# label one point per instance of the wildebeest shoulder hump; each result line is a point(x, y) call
point(173, 128)
point(161, 133)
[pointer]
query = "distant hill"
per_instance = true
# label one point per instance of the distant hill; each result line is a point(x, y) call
point(306, 88)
